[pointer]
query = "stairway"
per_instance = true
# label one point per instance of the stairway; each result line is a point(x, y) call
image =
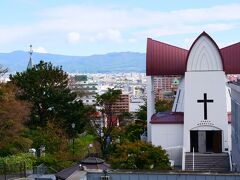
point(212, 162)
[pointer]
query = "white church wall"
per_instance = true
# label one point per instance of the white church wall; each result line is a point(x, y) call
point(169, 137)
point(228, 98)
point(213, 84)
point(204, 56)
point(178, 105)
point(150, 105)
point(230, 137)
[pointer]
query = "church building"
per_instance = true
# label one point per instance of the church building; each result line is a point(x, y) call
point(201, 114)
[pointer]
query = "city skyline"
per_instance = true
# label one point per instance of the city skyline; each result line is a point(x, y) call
point(98, 27)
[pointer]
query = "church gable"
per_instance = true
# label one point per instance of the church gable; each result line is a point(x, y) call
point(204, 55)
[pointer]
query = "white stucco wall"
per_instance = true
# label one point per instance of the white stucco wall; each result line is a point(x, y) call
point(169, 137)
point(150, 106)
point(204, 56)
point(196, 84)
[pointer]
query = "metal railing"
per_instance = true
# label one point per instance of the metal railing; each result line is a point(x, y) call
point(12, 170)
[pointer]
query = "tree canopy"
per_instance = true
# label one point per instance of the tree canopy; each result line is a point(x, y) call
point(139, 155)
point(163, 105)
point(13, 114)
point(46, 87)
point(105, 102)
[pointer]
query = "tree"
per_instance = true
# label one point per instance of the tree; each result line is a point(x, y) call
point(163, 105)
point(13, 114)
point(139, 155)
point(46, 87)
point(142, 112)
point(52, 137)
point(133, 132)
point(2, 70)
point(105, 102)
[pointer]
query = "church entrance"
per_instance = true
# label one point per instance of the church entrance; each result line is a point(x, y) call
point(206, 141)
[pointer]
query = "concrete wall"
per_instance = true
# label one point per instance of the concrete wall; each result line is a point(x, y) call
point(235, 126)
point(161, 176)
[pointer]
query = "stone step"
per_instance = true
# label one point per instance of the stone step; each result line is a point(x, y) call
point(218, 162)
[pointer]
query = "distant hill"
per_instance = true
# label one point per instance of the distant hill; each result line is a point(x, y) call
point(111, 62)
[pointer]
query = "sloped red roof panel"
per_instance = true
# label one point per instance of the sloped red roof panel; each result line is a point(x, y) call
point(231, 58)
point(165, 59)
point(167, 118)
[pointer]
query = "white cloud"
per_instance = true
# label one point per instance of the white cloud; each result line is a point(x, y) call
point(73, 37)
point(118, 24)
point(114, 35)
point(132, 40)
point(39, 49)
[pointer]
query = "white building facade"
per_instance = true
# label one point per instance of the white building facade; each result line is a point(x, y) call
point(200, 117)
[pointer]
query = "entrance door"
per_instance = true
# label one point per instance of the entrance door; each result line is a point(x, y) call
point(206, 141)
point(217, 141)
point(194, 141)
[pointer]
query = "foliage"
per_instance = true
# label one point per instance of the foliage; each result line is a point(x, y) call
point(125, 118)
point(3, 70)
point(13, 114)
point(139, 155)
point(81, 147)
point(132, 132)
point(105, 102)
point(142, 112)
point(52, 137)
point(46, 87)
point(29, 159)
point(54, 163)
point(163, 105)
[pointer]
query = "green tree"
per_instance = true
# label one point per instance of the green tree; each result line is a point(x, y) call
point(132, 132)
point(105, 102)
point(52, 137)
point(46, 87)
point(163, 105)
point(142, 112)
point(139, 155)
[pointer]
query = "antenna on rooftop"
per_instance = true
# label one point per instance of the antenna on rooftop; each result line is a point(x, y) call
point(30, 59)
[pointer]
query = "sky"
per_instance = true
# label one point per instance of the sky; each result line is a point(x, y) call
point(87, 27)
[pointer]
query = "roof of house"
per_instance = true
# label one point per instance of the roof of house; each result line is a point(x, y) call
point(173, 118)
point(167, 118)
point(166, 59)
point(90, 163)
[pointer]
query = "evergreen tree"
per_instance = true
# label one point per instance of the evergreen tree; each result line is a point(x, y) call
point(46, 87)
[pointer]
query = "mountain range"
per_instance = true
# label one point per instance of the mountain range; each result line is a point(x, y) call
point(106, 63)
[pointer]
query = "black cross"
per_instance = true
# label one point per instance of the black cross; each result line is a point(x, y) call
point(205, 101)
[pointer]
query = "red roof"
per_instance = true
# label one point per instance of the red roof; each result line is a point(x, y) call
point(167, 118)
point(173, 118)
point(165, 59)
point(231, 58)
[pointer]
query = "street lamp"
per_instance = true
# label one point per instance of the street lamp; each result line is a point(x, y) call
point(89, 148)
point(73, 127)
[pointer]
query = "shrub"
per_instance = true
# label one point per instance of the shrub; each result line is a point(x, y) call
point(27, 158)
point(139, 155)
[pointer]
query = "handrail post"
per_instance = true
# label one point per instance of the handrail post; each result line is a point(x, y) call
point(193, 159)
